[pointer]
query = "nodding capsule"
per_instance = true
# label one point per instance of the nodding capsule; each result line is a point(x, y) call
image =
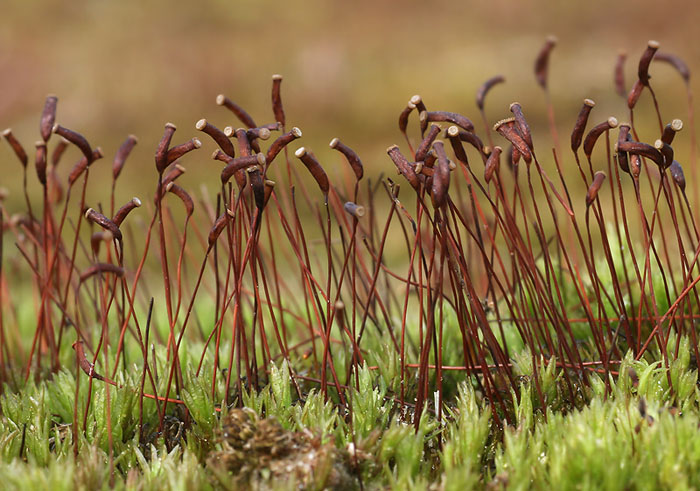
point(426, 143)
point(521, 123)
point(645, 61)
point(281, 142)
point(176, 171)
point(441, 177)
point(506, 128)
point(163, 146)
point(469, 137)
point(492, 163)
point(635, 165)
point(623, 136)
point(217, 135)
point(104, 222)
point(218, 227)
point(593, 135)
point(97, 238)
point(350, 155)
point(314, 167)
point(358, 211)
point(48, 117)
point(122, 212)
point(16, 146)
point(513, 158)
point(634, 94)
point(417, 101)
point(643, 150)
point(670, 131)
point(241, 135)
point(675, 62)
point(257, 185)
point(592, 193)
point(76, 139)
point(430, 159)
point(446, 117)
point(677, 174)
point(581, 122)
point(277, 108)
point(262, 133)
point(667, 152)
point(183, 195)
point(122, 154)
point(83, 164)
point(180, 150)
point(620, 74)
point(58, 151)
point(40, 161)
point(240, 113)
point(269, 187)
point(238, 164)
point(101, 268)
point(403, 117)
point(452, 134)
point(485, 88)
point(403, 166)
point(542, 61)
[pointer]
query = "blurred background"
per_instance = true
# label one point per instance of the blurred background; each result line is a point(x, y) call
point(123, 67)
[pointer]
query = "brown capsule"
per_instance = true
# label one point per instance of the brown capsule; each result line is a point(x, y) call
point(666, 150)
point(635, 165)
point(240, 113)
point(269, 188)
point(581, 122)
point(542, 61)
point(492, 163)
point(677, 174)
point(485, 87)
point(86, 366)
point(642, 406)
point(593, 135)
point(633, 377)
point(48, 117)
point(513, 158)
point(350, 155)
point(40, 161)
point(122, 212)
point(645, 61)
point(16, 146)
point(122, 154)
point(175, 172)
point(58, 151)
point(521, 123)
point(469, 137)
point(623, 136)
point(358, 211)
point(261, 133)
point(446, 117)
point(430, 159)
point(104, 222)
point(282, 142)
point(314, 167)
point(403, 117)
point(238, 164)
point(97, 238)
point(277, 108)
point(217, 135)
point(507, 129)
point(676, 63)
point(101, 268)
point(218, 227)
point(427, 142)
point(441, 177)
point(257, 185)
point(83, 164)
point(643, 150)
point(420, 107)
point(183, 195)
point(634, 94)
point(592, 193)
point(180, 150)
point(162, 150)
point(453, 135)
point(620, 74)
point(76, 139)
point(241, 136)
point(403, 166)
point(670, 131)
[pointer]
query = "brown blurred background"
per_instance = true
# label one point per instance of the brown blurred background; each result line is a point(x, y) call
point(349, 67)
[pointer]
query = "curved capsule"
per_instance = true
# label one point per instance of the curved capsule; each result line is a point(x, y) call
point(122, 213)
point(239, 163)
point(48, 117)
point(677, 174)
point(667, 152)
point(645, 61)
point(122, 154)
point(521, 123)
point(240, 113)
point(634, 94)
point(350, 155)
point(441, 177)
point(76, 139)
point(163, 146)
point(104, 222)
point(16, 146)
point(593, 135)
point(506, 128)
point(427, 142)
point(592, 193)
point(403, 166)
point(183, 195)
point(492, 163)
point(542, 61)
point(83, 164)
point(257, 185)
point(620, 74)
point(446, 117)
point(453, 135)
point(217, 228)
point(217, 135)
point(180, 150)
point(314, 167)
point(581, 122)
point(282, 142)
point(277, 108)
point(623, 136)
point(485, 88)
point(676, 63)
point(643, 150)
point(40, 162)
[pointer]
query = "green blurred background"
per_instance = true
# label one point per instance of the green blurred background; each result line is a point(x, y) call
point(123, 67)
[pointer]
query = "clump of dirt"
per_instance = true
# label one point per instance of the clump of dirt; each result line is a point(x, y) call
point(261, 454)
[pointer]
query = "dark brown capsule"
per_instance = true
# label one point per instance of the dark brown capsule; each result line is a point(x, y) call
point(521, 123)
point(634, 94)
point(592, 193)
point(430, 159)
point(620, 74)
point(645, 61)
point(163, 146)
point(257, 185)
point(238, 164)
point(218, 227)
point(643, 150)
point(48, 117)
point(183, 195)
point(240, 113)
point(507, 129)
point(542, 61)
point(446, 117)
point(101, 268)
point(403, 166)
point(277, 108)
point(358, 211)
point(675, 62)
point(350, 155)
point(427, 142)
point(469, 137)
point(16, 146)
point(581, 122)
point(122, 212)
point(269, 188)
point(83, 164)
point(180, 150)
point(667, 152)
point(623, 136)
point(104, 222)
point(403, 117)
point(441, 177)
point(122, 154)
point(593, 135)
point(282, 142)
point(485, 88)
point(453, 135)
point(76, 139)
point(677, 174)
point(58, 151)
point(670, 131)
point(314, 167)
point(217, 135)
point(40, 161)
point(492, 163)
